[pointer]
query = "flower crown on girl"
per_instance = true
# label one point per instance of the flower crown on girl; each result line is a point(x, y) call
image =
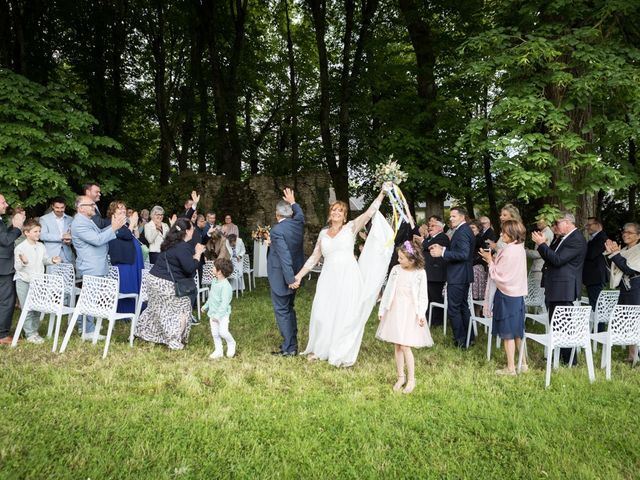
point(414, 253)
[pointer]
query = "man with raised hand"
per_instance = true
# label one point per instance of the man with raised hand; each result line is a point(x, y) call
point(284, 259)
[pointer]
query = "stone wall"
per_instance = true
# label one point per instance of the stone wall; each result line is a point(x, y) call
point(252, 202)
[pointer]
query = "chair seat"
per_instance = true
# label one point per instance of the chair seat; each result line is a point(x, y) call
point(541, 338)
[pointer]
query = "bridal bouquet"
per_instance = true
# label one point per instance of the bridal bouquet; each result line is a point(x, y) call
point(390, 172)
point(261, 233)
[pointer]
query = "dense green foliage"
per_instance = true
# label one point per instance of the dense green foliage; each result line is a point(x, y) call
point(46, 143)
point(150, 413)
point(531, 101)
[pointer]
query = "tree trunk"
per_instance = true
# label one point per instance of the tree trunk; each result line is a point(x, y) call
point(293, 98)
point(633, 189)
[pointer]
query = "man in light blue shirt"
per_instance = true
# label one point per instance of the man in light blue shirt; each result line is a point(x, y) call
point(92, 244)
point(56, 231)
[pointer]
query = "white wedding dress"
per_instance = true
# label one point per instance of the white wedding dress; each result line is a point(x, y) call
point(347, 288)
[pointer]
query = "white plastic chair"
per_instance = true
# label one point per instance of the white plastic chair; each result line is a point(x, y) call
point(114, 274)
point(142, 298)
point(235, 278)
point(569, 329)
point(535, 300)
point(624, 329)
point(46, 295)
point(607, 300)
point(99, 299)
point(208, 270)
point(68, 273)
point(248, 271)
point(443, 306)
point(474, 320)
point(201, 292)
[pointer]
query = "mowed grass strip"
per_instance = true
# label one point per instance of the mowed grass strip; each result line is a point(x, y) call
point(146, 412)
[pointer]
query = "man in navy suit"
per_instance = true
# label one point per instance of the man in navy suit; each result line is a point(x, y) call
point(562, 271)
point(459, 259)
point(93, 191)
point(436, 268)
point(8, 236)
point(285, 258)
point(595, 274)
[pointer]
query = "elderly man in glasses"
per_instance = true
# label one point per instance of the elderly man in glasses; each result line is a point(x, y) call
point(562, 271)
point(92, 244)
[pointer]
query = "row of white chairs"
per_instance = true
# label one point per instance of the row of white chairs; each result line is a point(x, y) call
point(98, 298)
point(573, 327)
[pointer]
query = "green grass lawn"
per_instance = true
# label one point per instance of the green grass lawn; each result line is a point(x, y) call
point(147, 412)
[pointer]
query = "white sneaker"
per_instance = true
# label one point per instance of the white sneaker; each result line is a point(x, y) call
point(88, 337)
point(216, 354)
point(231, 351)
point(35, 338)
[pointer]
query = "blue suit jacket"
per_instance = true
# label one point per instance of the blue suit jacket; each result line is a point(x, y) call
point(92, 246)
point(459, 256)
point(52, 239)
point(562, 271)
point(285, 256)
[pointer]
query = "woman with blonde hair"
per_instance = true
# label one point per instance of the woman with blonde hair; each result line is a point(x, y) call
point(347, 288)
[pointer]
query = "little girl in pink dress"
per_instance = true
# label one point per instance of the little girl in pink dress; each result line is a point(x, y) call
point(402, 312)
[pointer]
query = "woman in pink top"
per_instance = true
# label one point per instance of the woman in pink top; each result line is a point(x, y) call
point(506, 289)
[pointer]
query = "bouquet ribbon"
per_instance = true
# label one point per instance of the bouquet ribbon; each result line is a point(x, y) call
point(400, 209)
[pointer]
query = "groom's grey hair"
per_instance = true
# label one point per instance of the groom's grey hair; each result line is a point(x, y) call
point(283, 209)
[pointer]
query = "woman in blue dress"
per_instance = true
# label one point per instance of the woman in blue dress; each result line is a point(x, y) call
point(126, 256)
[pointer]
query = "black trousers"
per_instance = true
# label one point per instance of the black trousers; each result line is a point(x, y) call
point(565, 353)
point(434, 291)
point(7, 303)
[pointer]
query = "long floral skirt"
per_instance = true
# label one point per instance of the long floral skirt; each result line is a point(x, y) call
point(167, 318)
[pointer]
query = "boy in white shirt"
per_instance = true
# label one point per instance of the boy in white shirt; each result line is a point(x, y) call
point(30, 259)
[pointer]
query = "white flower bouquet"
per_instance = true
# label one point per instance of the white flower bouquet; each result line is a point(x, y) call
point(389, 172)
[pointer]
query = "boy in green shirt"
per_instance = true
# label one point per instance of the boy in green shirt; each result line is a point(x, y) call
point(218, 308)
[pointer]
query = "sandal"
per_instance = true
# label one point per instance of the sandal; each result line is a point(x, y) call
point(507, 372)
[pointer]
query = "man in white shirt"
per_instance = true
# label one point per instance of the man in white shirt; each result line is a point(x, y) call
point(56, 231)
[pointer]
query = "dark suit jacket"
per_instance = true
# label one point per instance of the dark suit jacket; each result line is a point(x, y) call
point(121, 249)
point(8, 237)
point(435, 267)
point(562, 271)
point(459, 256)
point(99, 221)
point(595, 271)
point(489, 234)
point(285, 256)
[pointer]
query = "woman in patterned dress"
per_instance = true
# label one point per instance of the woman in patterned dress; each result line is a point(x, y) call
point(167, 318)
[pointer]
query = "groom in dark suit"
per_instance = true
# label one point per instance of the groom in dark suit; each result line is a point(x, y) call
point(459, 259)
point(285, 258)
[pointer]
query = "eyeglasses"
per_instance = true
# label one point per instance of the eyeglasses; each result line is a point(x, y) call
point(629, 232)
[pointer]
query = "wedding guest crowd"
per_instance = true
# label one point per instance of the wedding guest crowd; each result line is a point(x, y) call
point(470, 262)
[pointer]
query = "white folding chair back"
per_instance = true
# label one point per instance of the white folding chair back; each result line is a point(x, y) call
point(203, 291)
point(235, 279)
point(535, 295)
point(248, 271)
point(569, 329)
point(443, 306)
point(99, 299)
point(68, 273)
point(607, 300)
point(46, 295)
point(474, 320)
point(624, 329)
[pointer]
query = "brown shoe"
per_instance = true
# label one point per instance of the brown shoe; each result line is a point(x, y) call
point(6, 340)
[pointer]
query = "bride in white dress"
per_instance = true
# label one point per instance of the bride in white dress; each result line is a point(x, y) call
point(347, 288)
